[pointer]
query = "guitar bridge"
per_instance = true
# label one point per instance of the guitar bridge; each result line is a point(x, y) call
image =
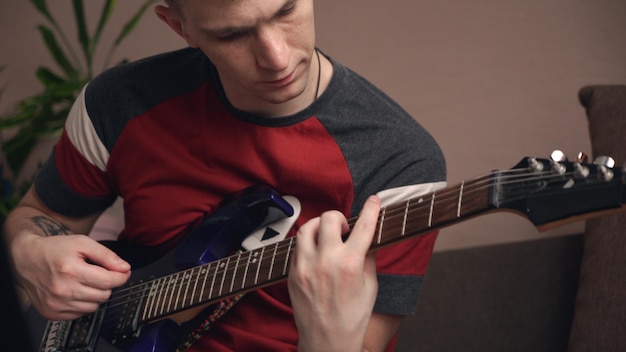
point(78, 335)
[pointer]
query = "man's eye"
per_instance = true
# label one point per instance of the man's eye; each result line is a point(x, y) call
point(287, 10)
point(231, 36)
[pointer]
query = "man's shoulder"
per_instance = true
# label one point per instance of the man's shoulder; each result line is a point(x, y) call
point(133, 88)
point(127, 91)
point(348, 84)
point(170, 69)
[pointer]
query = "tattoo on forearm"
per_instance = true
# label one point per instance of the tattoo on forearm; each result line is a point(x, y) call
point(49, 226)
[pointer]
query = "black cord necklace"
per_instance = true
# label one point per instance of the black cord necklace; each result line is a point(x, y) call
point(319, 73)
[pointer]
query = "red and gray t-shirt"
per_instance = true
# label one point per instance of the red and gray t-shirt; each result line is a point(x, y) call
point(161, 134)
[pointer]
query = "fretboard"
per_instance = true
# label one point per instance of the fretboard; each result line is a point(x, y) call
point(249, 270)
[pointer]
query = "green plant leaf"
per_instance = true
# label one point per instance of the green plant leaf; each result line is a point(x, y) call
point(83, 34)
point(17, 149)
point(42, 7)
point(130, 25)
point(24, 111)
point(47, 77)
point(57, 53)
point(104, 18)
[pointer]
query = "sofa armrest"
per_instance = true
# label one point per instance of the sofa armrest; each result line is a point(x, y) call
point(599, 322)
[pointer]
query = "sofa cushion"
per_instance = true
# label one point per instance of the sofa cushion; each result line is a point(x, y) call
point(512, 297)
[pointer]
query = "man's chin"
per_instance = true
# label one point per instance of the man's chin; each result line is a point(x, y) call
point(280, 99)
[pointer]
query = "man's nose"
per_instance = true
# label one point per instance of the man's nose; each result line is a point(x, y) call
point(272, 49)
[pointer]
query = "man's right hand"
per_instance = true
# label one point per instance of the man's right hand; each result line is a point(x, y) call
point(66, 276)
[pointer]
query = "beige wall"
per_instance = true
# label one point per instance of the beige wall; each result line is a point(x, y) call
point(493, 80)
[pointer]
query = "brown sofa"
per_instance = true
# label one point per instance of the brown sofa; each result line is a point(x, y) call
point(556, 294)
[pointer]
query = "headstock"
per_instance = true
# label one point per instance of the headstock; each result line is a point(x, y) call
point(554, 189)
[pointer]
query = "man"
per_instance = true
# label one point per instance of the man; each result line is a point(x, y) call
point(251, 101)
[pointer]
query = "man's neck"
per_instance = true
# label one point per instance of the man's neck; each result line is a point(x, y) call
point(319, 78)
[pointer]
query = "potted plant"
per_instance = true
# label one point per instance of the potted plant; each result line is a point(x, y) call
point(44, 114)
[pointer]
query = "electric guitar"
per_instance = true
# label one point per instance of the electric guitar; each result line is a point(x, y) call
point(202, 269)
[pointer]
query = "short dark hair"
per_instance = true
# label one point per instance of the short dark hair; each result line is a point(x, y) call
point(174, 4)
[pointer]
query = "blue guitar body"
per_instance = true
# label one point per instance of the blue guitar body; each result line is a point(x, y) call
point(217, 236)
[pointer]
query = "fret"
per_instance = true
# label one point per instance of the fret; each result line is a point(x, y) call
point(186, 283)
point(476, 198)
point(245, 273)
point(200, 270)
point(406, 214)
point(185, 279)
point(258, 267)
point(150, 301)
point(206, 273)
point(269, 274)
point(381, 224)
point(225, 267)
point(157, 297)
point(190, 291)
point(458, 208)
point(160, 297)
point(217, 265)
point(432, 205)
point(168, 293)
point(285, 267)
point(232, 282)
point(184, 276)
point(177, 286)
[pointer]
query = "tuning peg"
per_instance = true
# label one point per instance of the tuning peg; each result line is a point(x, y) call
point(606, 161)
point(556, 158)
point(580, 171)
point(605, 166)
point(534, 165)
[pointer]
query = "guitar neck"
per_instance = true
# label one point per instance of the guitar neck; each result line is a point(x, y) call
point(246, 271)
point(542, 190)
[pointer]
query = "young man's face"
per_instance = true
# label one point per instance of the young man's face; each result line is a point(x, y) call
point(262, 48)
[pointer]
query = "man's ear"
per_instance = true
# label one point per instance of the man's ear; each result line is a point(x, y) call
point(173, 20)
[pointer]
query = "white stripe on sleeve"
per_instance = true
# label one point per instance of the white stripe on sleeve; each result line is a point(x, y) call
point(83, 135)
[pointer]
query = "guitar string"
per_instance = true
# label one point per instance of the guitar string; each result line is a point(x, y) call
point(408, 234)
point(444, 196)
